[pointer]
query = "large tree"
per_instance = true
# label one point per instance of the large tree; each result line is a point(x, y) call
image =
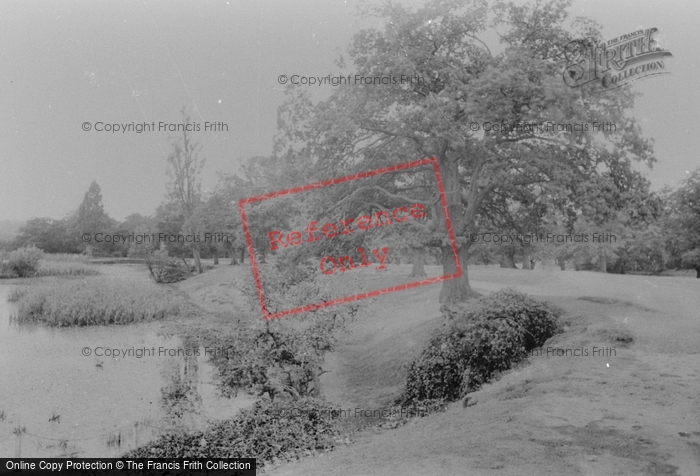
point(454, 90)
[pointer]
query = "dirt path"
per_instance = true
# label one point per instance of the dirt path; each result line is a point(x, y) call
point(632, 412)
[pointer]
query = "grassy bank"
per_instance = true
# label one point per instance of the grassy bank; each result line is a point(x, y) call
point(31, 262)
point(92, 301)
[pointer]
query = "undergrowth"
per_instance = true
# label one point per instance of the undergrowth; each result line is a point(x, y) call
point(480, 342)
point(269, 431)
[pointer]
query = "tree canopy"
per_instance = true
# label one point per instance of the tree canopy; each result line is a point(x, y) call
point(496, 122)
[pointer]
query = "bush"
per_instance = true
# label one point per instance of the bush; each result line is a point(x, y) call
point(93, 301)
point(539, 321)
point(439, 371)
point(281, 357)
point(495, 344)
point(22, 262)
point(498, 332)
point(268, 431)
point(691, 259)
point(163, 269)
point(170, 271)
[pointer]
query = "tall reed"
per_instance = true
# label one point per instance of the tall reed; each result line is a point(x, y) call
point(93, 301)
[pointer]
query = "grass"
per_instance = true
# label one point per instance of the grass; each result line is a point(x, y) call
point(50, 267)
point(30, 262)
point(92, 301)
point(16, 294)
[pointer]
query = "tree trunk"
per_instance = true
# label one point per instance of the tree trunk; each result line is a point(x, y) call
point(697, 271)
point(462, 219)
point(197, 260)
point(418, 269)
point(232, 254)
point(242, 255)
point(216, 256)
point(562, 264)
point(602, 262)
point(187, 265)
point(527, 262)
point(456, 289)
point(508, 260)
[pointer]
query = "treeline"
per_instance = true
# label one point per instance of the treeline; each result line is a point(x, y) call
point(113, 238)
point(621, 228)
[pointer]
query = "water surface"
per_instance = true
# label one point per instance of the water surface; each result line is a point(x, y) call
point(99, 405)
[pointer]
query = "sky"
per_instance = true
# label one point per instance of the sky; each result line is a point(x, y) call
point(67, 63)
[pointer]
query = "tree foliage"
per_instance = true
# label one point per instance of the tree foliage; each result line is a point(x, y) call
point(682, 223)
point(462, 86)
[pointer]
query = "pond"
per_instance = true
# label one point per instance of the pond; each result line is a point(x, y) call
point(136, 383)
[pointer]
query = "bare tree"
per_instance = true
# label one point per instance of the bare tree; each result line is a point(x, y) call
point(184, 188)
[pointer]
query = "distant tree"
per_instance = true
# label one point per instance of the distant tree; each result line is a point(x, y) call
point(682, 224)
point(517, 214)
point(139, 222)
point(132, 224)
point(169, 222)
point(184, 168)
point(221, 215)
point(616, 202)
point(136, 224)
point(91, 218)
point(51, 236)
point(560, 224)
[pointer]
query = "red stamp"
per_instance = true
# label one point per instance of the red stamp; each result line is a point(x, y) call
point(316, 231)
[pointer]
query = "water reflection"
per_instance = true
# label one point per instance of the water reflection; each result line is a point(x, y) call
point(180, 397)
point(104, 403)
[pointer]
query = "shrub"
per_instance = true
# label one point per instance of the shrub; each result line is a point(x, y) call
point(282, 430)
point(495, 343)
point(282, 357)
point(163, 269)
point(490, 338)
point(170, 271)
point(93, 301)
point(537, 319)
point(439, 371)
point(22, 262)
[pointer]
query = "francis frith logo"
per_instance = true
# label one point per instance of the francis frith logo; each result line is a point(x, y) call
point(616, 62)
